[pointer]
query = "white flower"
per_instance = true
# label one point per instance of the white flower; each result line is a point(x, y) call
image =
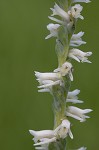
point(45, 137)
point(79, 55)
point(47, 80)
point(47, 76)
point(76, 39)
point(63, 130)
point(77, 113)
point(75, 11)
point(41, 134)
point(53, 28)
point(85, 1)
point(82, 148)
point(60, 12)
point(72, 97)
point(65, 69)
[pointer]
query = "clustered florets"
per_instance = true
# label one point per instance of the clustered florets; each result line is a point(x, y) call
point(48, 80)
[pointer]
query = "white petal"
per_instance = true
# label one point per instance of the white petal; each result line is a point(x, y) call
point(49, 36)
point(49, 85)
point(78, 35)
point(85, 111)
point(73, 57)
point(74, 101)
point(44, 90)
point(74, 93)
point(56, 20)
point(85, 1)
point(47, 141)
point(42, 134)
point(74, 116)
point(82, 148)
point(70, 134)
point(71, 76)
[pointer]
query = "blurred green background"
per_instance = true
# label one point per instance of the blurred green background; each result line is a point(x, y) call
point(23, 49)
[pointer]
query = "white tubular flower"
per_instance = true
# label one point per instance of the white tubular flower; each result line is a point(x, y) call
point(75, 11)
point(76, 39)
point(43, 138)
point(60, 12)
point(79, 55)
point(47, 80)
point(63, 130)
point(53, 28)
point(41, 134)
point(65, 69)
point(82, 148)
point(77, 113)
point(85, 1)
point(72, 97)
point(47, 76)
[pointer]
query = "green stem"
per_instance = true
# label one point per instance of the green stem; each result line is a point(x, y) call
point(62, 59)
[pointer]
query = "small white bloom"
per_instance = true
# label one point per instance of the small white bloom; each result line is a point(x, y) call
point(41, 134)
point(47, 76)
point(72, 97)
point(65, 69)
point(76, 39)
point(79, 55)
point(77, 113)
point(63, 130)
point(47, 80)
point(75, 11)
point(53, 28)
point(82, 148)
point(85, 1)
point(60, 12)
